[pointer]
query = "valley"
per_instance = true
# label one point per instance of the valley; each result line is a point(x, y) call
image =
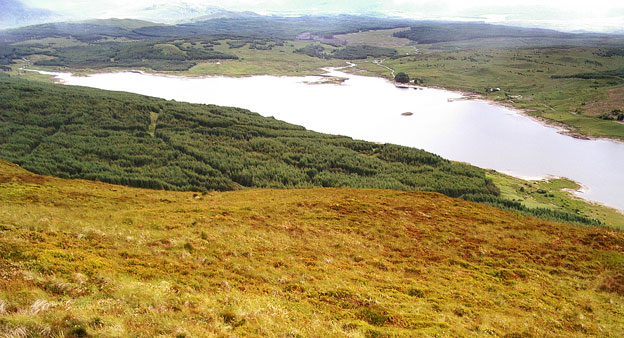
point(262, 56)
point(186, 170)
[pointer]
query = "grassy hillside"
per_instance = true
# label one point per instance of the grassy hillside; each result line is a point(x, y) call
point(82, 258)
point(276, 27)
point(435, 32)
point(113, 43)
point(276, 59)
point(128, 24)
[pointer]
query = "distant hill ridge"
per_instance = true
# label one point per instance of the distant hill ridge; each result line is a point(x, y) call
point(185, 12)
point(223, 22)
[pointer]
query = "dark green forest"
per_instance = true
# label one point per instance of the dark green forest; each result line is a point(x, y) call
point(134, 140)
point(348, 53)
point(161, 55)
point(275, 26)
point(613, 52)
point(615, 74)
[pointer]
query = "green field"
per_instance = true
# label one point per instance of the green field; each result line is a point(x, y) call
point(280, 60)
point(552, 194)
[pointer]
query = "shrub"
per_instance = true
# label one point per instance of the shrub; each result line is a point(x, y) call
point(230, 318)
point(374, 316)
point(416, 293)
point(78, 332)
point(402, 78)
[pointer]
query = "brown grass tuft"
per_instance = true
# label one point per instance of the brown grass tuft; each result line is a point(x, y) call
point(39, 306)
point(615, 100)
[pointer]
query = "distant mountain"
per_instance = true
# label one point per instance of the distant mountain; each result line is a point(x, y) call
point(226, 15)
point(86, 31)
point(185, 12)
point(14, 13)
point(426, 32)
point(128, 24)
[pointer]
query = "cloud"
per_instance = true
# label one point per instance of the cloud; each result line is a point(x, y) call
point(561, 14)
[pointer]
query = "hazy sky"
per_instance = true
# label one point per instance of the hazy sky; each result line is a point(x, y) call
point(598, 15)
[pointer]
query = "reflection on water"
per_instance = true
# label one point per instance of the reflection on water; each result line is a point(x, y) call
point(373, 109)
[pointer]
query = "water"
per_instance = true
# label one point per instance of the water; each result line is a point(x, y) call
point(483, 134)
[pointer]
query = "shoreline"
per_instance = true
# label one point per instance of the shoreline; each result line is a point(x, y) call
point(573, 193)
point(83, 72)
point(56, 79)
point(561, 127)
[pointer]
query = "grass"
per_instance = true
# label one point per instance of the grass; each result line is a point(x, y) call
point(280, 61)
point(554, 194)
point(53, 42)
point(614, 101)
point(83, 258)
point(379, 38)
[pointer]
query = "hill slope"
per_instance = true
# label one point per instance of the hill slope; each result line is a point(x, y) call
point(141, 141)
point(434, 32)
point(87, 258)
